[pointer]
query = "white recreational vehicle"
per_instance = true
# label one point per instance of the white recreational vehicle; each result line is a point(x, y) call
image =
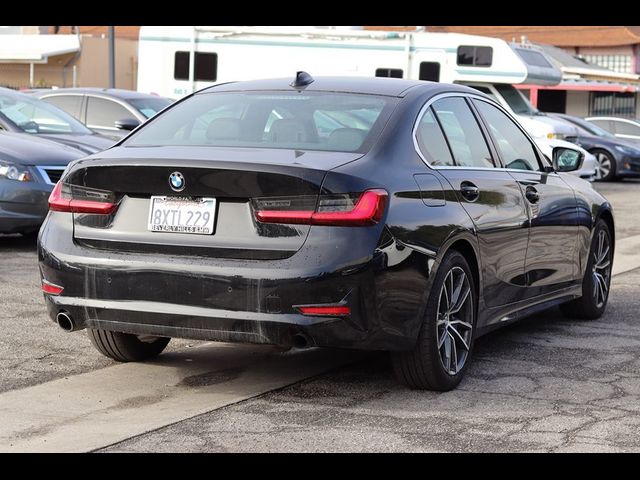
point(175, 61)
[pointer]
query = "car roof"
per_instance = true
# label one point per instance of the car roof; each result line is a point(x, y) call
point(108, 92)
point(396, 87)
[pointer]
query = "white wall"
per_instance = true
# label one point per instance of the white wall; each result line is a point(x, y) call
point(578, 103)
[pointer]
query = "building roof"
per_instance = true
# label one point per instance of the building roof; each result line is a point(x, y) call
point(36, 48)
point(560, 36)
point(122, 31)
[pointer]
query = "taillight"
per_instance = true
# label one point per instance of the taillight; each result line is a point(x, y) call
point(334, 210)
point(79, 199)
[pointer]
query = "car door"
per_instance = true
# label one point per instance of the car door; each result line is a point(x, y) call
point(102, 115)
point(455, 145)
point(551, 251)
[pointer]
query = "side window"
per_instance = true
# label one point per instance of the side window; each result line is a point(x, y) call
point(514, 146)
point(69, 103)
point(627, 128)
point(104, 113)
point(389, 72)
point(461, 128)
point(606, 124)
point(431, 141)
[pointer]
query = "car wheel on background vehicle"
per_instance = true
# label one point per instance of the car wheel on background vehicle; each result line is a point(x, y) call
point(606, 166)
point(597, 278)
point(443, 350)
point(125, 347)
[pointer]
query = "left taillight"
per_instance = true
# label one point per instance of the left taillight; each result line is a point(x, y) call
point(79, 199)
point(340, 210)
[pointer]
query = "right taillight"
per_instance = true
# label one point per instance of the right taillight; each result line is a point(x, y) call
point(340, 210)
point(79, 199)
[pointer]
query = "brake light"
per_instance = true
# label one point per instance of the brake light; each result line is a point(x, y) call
point(324, 310)
point(78, 199)
point(332, 210)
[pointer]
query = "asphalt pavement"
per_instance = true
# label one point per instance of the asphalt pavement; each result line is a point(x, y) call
point(544, 384)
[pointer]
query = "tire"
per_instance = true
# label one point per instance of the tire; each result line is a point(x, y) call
point(606, 166)
point(597, 279)
point(125, 347)
point(427, 366)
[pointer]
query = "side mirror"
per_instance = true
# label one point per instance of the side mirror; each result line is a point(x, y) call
point(567, 159)
point(127, 123)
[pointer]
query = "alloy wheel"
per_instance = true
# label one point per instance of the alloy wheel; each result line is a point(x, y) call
point(601, 270)
point(603, 167)
point(454, 321)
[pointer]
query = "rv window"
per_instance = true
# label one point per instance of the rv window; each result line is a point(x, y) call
point(430, 71)
point(475, 56)
point(389, 72)
point(205, 68)
point(533, 58)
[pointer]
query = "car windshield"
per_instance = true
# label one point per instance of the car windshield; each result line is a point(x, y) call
point(516, 100)
point(323, 121)
point(37, 116)
point(149, 106)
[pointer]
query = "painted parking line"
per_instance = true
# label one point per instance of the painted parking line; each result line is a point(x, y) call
point(627, 255)
point(92, 410)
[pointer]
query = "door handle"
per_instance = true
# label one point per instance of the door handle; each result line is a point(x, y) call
point(469, 191)
point(532, 194)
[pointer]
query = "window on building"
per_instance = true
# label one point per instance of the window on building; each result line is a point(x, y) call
point(617, 63)
point(612, 104)
point(205, 67)
point(475, 56)
point(389, 72)
point(430, 71)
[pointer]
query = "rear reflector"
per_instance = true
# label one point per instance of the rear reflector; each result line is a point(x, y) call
point(325, 310)
point(333, 210)
point(51, 289)
point(77, 199)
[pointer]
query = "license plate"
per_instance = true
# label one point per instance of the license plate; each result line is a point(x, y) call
point(182, 215)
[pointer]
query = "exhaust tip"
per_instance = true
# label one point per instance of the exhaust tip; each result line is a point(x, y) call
point(300, 341)
point(65, 321)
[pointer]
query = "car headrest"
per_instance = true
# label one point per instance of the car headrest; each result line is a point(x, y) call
point(288, 130)
point(348, 139)
point(223, 129)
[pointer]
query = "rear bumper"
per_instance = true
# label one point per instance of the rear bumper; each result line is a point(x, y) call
point(240, 300)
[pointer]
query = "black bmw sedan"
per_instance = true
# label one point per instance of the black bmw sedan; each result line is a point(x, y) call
point(369, 213)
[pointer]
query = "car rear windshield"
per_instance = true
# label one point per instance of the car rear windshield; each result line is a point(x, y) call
point(323, 121)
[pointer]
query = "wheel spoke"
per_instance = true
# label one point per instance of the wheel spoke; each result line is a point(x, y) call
point(447, 350)
point(602, 281)
point(460, 322)
point(462, 298)
point(442, 338)
point(462, 340)
point(455, 355)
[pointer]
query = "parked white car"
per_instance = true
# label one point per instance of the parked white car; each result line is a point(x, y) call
point(588, 170)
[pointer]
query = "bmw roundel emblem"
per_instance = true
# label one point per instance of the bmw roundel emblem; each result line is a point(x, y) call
point(176, 181)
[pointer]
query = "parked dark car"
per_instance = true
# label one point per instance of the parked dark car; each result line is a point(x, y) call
point(231, 216)
point(627, 129)
point(616, 157)
point(21, 113)
point(29, 168)
point(109, 111)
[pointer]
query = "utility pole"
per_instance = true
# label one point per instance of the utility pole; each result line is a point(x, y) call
point(112, 58)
